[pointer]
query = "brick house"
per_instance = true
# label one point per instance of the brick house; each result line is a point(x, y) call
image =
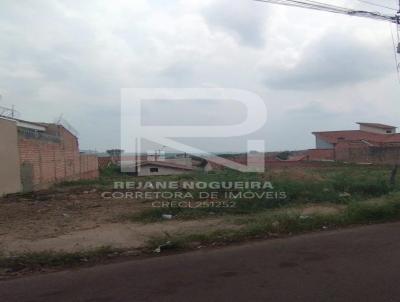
point(372, 143)
point(37, 155)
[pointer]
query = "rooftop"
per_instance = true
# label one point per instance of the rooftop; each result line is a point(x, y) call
point(376, 125)
point(164, 164)
point(334, 137)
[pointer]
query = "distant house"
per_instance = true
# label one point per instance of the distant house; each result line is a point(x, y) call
point(143, 165)
point(152, 168)
point(373, 142)
point(368, 132)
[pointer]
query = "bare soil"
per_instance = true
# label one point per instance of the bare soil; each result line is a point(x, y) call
point(72, 220)
point(322, 209)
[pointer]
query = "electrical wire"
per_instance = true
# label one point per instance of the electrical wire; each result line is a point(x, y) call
point(352, 12)
point(332, 8)
point(376, 4)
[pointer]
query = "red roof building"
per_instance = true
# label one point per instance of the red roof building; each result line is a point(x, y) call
point(370, 136)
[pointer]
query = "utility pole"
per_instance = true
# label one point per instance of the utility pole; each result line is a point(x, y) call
point(398, 30)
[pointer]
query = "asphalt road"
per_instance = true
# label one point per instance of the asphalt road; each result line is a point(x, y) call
point(360, 264)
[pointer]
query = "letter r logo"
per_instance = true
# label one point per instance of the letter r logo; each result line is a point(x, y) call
point(133, 131)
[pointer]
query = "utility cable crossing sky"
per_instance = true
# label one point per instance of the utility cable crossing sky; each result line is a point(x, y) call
point(314, 5)
point(336, 9)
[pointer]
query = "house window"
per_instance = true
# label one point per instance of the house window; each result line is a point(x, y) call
point(388, 131)
point(153, 170)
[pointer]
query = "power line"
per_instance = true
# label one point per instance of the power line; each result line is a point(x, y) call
point(350, 12)
point(378, 5)
point(333, 9)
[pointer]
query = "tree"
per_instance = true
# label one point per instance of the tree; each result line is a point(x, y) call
point(283, 155)
point(115, 152)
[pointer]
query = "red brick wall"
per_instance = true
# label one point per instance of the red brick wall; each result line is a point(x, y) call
point(320, 154)
point(363, 153)
point(356, 152)
point(104, 162)
point(56, 161)
point(386, 154)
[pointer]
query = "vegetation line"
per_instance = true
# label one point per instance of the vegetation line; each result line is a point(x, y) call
point(280, 223)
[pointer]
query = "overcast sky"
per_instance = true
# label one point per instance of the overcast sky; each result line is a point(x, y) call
point(315, 71)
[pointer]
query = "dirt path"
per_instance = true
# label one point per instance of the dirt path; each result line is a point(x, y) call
point(119, 235)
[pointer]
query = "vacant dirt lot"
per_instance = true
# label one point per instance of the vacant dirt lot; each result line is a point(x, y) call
point(73, 217)
point(72, 220)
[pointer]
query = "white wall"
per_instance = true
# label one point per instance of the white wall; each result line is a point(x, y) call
point(376, 130)
point(145, 171)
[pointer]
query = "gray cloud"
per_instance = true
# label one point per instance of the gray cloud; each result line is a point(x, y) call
point(336, 59)
point(179, 73)
point(192, 112)
point(73, 58)
point(242, 19)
